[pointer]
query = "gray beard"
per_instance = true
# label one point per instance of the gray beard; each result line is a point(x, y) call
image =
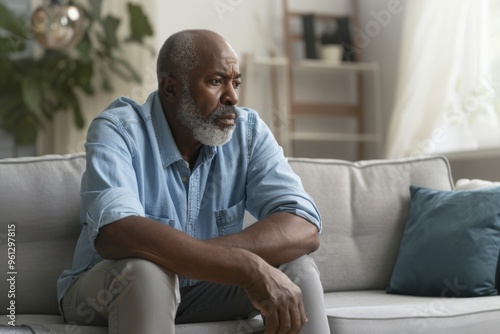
point(206, 131)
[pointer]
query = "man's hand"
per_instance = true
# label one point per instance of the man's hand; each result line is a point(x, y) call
point(279, 301)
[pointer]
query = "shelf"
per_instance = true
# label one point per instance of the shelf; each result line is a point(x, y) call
point(270, 61)
point(347, 66)
point(354, 137)
point(319, 16)
point(316, 63)
point(325, 109)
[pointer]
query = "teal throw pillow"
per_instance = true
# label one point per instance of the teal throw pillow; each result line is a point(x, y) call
point(450, 245)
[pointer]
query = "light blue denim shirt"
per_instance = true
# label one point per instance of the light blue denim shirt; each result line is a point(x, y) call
point(134, 168)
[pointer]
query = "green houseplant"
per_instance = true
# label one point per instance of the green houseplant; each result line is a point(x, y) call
point(33, 89)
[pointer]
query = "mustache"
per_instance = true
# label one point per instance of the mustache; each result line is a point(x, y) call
point(222, 111)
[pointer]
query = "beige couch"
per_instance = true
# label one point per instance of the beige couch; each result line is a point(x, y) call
point(364, 207)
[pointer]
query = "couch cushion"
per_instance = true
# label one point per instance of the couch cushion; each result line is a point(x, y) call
point(466, 184)
point(41, 197)
point(51, 324)
point(376, 312)
point(450, 244)
point(364, 206)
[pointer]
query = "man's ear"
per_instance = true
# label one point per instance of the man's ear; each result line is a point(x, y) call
point(170, 87)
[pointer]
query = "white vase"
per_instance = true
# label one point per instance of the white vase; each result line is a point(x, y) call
point(332, 53)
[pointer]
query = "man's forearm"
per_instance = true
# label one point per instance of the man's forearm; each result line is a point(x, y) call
point(278, 238)
point(176, 251)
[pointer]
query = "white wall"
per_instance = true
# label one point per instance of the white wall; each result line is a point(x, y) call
point(382, 36)
point(236, 20)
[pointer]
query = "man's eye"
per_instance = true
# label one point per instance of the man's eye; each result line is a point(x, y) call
point(216, 82)
point(236, 84)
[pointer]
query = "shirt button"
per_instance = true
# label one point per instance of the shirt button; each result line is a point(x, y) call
point(184, 179)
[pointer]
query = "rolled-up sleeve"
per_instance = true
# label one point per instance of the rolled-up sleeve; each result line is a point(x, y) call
point(111, 205)
point(272, 186)
point(109, 189)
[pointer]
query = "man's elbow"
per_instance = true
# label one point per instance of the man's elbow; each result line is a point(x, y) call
point(101, 246)
point(105, 244)
point(315, 242)
point(120, 239)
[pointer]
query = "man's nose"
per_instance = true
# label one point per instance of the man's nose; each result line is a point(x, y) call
point(230, 97)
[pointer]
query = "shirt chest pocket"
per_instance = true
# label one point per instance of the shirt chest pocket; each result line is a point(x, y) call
point(230, 221)
point(164, 221)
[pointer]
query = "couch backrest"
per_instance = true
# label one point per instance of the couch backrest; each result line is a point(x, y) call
point(364, 206)
point(40, 196)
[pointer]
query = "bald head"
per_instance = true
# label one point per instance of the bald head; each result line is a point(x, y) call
point(181, 52)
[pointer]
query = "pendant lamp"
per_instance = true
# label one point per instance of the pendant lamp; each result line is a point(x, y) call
point(58, 26)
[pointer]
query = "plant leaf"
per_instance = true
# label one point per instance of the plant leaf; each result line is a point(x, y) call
point(83, 76)
point(74, 104)
point(139, 24)
point(125, 70)
point(11, 44)
point(110, 25)
point(22, 124)
point(105, 83)
point(96, 6)
point(14, 24)
point(31, 95)
point(9, 103)
point(84, 47)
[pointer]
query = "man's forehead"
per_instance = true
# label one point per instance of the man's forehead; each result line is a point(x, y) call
point(220, 60)
point(213, 49)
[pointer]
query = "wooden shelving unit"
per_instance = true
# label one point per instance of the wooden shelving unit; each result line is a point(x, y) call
point(298, 109)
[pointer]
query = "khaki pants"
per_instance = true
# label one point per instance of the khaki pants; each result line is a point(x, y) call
point(137, 296)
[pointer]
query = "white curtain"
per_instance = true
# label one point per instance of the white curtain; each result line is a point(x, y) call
point(444, 97)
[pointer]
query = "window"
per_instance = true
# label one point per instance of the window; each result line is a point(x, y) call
point(448, 94)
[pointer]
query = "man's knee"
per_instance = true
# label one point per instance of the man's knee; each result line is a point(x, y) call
point(143, 275)
point(301, 270)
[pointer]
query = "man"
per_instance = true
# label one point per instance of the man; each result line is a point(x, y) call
point(163, 198)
